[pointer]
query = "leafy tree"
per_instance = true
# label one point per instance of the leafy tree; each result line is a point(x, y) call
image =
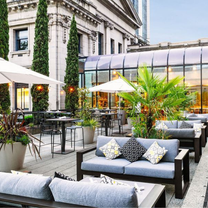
point(72, 69)
point(159, 98)
point(41, 57)
point(4, 50)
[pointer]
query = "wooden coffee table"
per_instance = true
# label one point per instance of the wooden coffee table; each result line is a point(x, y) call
point(148, 195)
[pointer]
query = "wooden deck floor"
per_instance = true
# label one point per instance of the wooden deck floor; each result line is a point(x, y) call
point(66, 164)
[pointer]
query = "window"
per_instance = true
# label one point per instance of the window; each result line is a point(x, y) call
point(22, 96)
point(119, 48)
point(100, 44)
point(112, 47)
point(21, 39)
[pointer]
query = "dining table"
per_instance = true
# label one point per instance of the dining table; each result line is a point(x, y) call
point(63, 120)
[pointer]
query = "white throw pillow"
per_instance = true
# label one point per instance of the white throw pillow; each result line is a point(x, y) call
point(161, 126)
point(197, 126)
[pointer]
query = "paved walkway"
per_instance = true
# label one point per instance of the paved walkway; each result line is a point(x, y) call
point(66, 164)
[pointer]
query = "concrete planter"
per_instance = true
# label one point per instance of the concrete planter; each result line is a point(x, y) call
point(12, 159)
point(89, 133)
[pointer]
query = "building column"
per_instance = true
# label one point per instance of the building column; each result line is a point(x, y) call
point(92, 46)
point(108, 26)
point(125, 44)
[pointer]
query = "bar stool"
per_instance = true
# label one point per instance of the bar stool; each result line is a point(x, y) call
point(52, 131)
point(73, 128)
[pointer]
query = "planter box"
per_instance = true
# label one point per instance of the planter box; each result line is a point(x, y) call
point(12, 159)
point(89, 133)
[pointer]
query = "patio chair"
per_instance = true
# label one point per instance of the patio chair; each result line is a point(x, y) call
point(49, 129)
point(73, 129)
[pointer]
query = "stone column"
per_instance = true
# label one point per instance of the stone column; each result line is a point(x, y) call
point(125, 39)
point(108, 26)
point(92, 46)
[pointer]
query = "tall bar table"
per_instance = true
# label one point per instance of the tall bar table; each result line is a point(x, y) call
point(63, 121)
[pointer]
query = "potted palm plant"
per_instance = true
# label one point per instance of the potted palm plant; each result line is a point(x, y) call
point(158, 97)
point(88, 123)
point(14, 138)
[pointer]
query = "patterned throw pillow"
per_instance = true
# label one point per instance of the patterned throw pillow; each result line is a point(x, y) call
point(108, 180)
point(197, 127)
point(111, 150)
point(185, 125)
point(155, 153)
point(132, 150)
point(62, 176)
point(161, 126)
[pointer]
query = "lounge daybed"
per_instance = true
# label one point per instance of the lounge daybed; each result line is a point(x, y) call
point(187, 136)
point(172, 169)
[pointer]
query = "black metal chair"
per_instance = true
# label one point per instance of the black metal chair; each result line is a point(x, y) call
point(119, 121)
point(73, 128)
point(50, 129)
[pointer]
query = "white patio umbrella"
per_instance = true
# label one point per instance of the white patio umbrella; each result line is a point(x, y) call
point(115, 86)
point(10, 72)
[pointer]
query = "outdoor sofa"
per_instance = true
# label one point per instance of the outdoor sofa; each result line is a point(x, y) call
point(187, 136)
point(172, 169)
point(41, 191)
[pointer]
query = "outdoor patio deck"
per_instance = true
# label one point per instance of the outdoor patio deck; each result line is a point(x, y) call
point(67, 164)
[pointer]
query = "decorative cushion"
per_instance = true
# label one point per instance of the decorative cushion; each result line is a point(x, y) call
point(161, 126)
point(26, 185)
point(155, 153)
point(185, 125)
point(93, 194)
point(111, 150)
point(108, 180)
point(62, 176)
point(197, 126)
point(132, 150)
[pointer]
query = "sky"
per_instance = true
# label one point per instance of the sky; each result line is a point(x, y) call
point(178, 20)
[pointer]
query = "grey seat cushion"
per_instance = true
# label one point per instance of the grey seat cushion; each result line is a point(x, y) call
point(26, 185)
point(189, 122)
point(103, 165)
point(172, 145)
point(93, 194)
point(145, 168)
point(169, 124)
point(180, 133)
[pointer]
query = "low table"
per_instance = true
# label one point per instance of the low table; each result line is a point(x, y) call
point(148, 195)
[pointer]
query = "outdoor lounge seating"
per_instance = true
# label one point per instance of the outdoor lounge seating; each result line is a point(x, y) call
point(187, 136)
point(173, 168)
point(42, 191)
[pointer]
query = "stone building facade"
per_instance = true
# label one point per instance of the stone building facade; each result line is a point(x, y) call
point(104, 27)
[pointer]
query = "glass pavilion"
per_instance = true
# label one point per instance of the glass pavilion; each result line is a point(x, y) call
point(192, 63)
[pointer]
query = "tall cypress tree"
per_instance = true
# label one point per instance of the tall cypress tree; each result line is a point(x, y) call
point(4, 50)
point(41, 57)
point(72, 69)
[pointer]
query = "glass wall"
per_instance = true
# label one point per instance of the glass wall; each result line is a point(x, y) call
point(205, 88)
point(102, 97)
point(190, 63)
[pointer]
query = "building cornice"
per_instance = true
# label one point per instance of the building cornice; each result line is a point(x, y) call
point(112, 6)
point(83, 8)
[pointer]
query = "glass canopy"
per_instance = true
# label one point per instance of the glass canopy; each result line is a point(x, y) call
point(160, 58)
point(176, 56)
point(205, 55)
point(156, 58)
point(193, 55)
